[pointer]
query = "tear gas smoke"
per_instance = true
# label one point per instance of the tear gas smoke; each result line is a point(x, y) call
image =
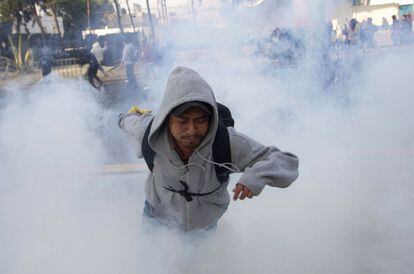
point(349, 211)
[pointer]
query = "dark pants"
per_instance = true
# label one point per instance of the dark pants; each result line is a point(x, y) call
point(131, 76)
point(92, 76)
point(46, 68)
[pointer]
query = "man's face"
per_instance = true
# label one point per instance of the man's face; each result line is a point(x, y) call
point(189, 128)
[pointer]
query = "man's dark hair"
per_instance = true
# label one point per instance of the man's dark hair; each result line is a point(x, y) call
point(101, 40)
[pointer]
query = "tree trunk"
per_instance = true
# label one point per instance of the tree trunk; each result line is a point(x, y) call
point(26, 29)
point(19, 24)
point(53, 8)
point(118, 14)
point(130, 16)
point(38, 21)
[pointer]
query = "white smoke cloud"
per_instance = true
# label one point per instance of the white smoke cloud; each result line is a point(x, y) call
point(349, 211)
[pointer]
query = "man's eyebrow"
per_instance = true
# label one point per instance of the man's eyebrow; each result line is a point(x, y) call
point(181, 117)
point(205, 115)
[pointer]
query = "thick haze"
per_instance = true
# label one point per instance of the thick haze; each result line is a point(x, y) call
point(350, 211)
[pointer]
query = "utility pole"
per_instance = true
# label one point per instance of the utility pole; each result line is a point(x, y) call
point(118, 13)
point(88, 13)
point(150, 21)
point(160, 12)
point(130, 16)
point(164, 11)
point(163, 14)
point(193, 11)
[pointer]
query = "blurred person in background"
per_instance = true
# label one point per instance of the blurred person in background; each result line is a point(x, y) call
point(406, 28)
point(369, 30)
point(395, 30)
point(46, 59)
point(129, 57)
point(354, 32)
point(385, 24)
point(93, 78)
point(98, 49)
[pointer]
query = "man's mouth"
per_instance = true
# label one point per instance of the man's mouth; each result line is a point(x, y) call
point(191, 139)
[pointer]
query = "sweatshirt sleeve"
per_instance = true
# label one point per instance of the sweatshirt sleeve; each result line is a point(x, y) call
point(262, 165)
point(134, 126)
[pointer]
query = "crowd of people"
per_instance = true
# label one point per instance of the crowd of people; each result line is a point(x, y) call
point(330, 48)
point(363, 33)
point(287, 46)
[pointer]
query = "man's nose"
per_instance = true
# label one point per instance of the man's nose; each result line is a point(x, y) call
point(191, 129)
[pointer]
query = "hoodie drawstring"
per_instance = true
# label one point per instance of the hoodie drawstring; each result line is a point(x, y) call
point(187, 165)
point(189, 195)
point(232, 168)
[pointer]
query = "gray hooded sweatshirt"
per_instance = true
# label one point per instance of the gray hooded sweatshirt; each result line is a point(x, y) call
point(261, 165)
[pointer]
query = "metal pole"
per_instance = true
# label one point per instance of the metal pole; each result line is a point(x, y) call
point(88, 13)
point(130, 16)
point(150, 21)
point(193, 11)
point(165, 10)
point(159, 12)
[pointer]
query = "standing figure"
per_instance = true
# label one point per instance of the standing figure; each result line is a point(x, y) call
point(395, 30)
point(354, 32)
point(93, 70)
point(369, 31)
point(129, 57)
point(406, 28)
point(191, 147)
point(98, 49)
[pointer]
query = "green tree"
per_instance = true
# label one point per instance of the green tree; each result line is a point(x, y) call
point(15, 11)
point(74, 13)
point(6, 20)
point(22, 12)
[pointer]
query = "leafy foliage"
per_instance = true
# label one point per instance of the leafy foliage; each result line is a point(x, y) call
point(73, 12)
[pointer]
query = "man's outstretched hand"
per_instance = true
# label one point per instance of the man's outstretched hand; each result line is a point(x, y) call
point(136, 109)
point(241, 192)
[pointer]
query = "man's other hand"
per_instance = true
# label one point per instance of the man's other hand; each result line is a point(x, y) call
point(241, 192)
point(135, 109)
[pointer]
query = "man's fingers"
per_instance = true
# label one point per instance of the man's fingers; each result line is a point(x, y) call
point(237, 189)
point(246, 193)
point(242, 195)
point(241, 192)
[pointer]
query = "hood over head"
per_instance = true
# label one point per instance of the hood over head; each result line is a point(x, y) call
point(183, 85)
point(184, 107)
